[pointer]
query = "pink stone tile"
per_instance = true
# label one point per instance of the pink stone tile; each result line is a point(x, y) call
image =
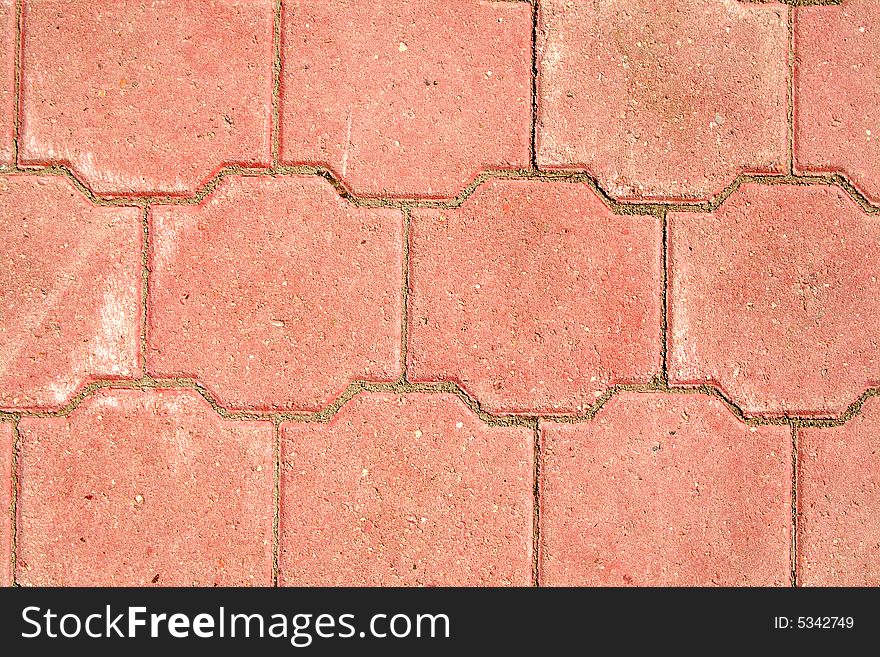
point(837, 98)
point(406, 97)
point(7, 81)
point(276, 293)
point(838, 498)
point(406, 490)
point(145, 487)
point(665, 490)
point(774, 298)
point(70, 291)
point(146, 98)
point(662, 100)
point(535, 297)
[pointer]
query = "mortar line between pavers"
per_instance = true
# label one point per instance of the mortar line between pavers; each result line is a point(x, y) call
point(664, 299)
point(533, 137)
point(625, 207)
point(13, 552)
point(276, 495)
point(405, 294)
point(66, 172)
point(844, 183)
point(711, 390)
point(509, 419)
point(536, 511)
point(16, 83)
point(145, 286)
point(809, 3)
point(796, 3)
point(276, 83)
point(795, 464)
point(790, 90)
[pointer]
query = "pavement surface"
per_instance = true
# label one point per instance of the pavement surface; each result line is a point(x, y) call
point(440, 292)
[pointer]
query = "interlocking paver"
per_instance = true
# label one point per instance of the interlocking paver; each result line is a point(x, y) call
point(406, 490)
point(139, 487)
point(406, 97)
point(665, 490)
point(662, 100)
point(70, 291)
point(7, 438)
point(7, 81)
point(276, 293)
point(774, 298)
point(146, 98)
point(534, 296)
point(837, 98)
point(269, 289)
point(838, 498)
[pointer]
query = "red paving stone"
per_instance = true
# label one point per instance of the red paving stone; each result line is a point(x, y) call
point(838, 494)
point(837, 108)
point(774, 298)
point(70, 291)
point(440, 232)
point(662, 100)
point(276, 293)
point(535, 297)
point(406, 97)
point(7, 438)
point(7, 81)
point(145, 487)
point(146, 98)
point(406, 490)
point(665, 490)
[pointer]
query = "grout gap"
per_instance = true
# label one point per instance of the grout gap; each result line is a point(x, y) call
point(795, 465)
point(13, 510)
point(404, 322)
point(505, 419)
point(533, 137)
point(276, 495)
point(536, 511)
point(797, 3)
point(145, 286)
point(790, 89)
point(619, 207)
point(16, 82)
point(664, 300)
point(276, 83)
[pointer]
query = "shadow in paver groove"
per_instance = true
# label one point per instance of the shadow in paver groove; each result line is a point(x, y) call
point(798, 3)
point(449, 387)
point(664, 299)
point(533, 136)
point(536, 512)
point(13, 506)
point(628, 207)
point(795, 522)
point(276, 501)
point(407, 265)
point(16, 82)
point(790, 92)
point(145, 286)
point(276, 83)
